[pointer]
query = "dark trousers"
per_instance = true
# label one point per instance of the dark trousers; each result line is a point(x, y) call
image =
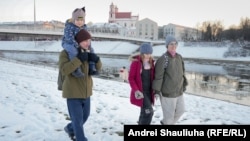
point(79, 110)
point(147, 112)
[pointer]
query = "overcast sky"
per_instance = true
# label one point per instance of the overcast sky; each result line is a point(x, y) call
point(186, 13)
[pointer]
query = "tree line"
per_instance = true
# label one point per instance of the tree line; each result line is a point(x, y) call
point(214, 31)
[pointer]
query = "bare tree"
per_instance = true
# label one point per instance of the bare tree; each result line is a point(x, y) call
point(245, 28)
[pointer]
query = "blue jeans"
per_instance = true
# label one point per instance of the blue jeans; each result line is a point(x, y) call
point(79, 110)
point(72, 53)
point(71, 50)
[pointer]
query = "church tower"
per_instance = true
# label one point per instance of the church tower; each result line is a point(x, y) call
point(112, 10)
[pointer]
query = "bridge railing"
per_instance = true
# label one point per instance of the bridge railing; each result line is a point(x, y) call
point(59, 31)
point(31, 28)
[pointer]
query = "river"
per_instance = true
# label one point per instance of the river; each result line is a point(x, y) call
point(224, 81)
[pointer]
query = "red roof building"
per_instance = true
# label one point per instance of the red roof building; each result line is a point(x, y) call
point(124, 19)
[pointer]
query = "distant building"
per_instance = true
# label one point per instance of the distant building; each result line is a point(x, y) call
point(106, 28)
point(54, 26)
point(125, 19)
point(181, 32)
point(39, 25)
point(147, 29)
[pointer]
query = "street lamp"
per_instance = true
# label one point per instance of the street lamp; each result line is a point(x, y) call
point(34, 14)
point(35, 21)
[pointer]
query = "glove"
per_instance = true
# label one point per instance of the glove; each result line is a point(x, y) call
point(184, 88)
point(93, 57)
point(185, 83)
point(157, 96)
point(157, 92)
point(83, 56)
point(138, 95)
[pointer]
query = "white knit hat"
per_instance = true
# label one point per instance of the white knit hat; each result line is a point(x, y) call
point(78, 13)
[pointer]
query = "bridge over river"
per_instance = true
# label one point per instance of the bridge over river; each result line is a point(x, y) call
point(28, 34)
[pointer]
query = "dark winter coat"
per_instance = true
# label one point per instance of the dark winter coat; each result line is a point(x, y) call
point(135, 80)
point(74, 87)
point(70, 32)
point(172, 81)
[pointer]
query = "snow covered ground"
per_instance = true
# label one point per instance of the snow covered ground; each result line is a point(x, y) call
point(33, 109)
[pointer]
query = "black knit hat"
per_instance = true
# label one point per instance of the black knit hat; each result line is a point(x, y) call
point(82, 35)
